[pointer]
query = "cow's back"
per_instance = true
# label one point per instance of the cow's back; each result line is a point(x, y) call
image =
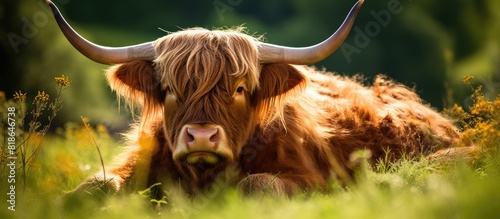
point(384, 117)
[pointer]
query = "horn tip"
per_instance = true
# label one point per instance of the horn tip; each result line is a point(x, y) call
point(359, 3)
point(48, 2)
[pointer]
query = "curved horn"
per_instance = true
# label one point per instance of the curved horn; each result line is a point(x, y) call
point(102, 54)
point(269, 53)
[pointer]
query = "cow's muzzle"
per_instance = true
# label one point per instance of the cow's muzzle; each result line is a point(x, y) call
point(202, 144)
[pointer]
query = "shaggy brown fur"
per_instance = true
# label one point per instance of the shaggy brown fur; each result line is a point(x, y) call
point(291, 128)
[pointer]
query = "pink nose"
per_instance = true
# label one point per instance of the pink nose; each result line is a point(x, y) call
point(202, 144)
point(200, 139)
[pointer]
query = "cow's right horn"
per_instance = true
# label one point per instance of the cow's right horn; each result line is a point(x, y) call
point(270, 53)
point(102, 54)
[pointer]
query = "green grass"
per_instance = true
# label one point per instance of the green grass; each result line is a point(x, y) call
point(411, 191)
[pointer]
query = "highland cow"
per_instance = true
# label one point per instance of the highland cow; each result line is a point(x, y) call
point(213, 100)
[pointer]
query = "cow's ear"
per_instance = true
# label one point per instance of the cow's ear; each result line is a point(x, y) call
point(278, 82)
point(135, 81)
point(279, 79)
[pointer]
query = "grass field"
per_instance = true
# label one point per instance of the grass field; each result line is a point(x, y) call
point(406, 189)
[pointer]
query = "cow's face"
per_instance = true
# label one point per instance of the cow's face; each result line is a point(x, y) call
point(208, 78)
point(210, 91)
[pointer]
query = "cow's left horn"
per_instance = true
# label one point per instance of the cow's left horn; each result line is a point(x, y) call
point(269, 53)
point(102, 54)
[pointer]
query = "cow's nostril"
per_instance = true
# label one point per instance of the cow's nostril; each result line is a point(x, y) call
point(215, 136)
point(189, 137)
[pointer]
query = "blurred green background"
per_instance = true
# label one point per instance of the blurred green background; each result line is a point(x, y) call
point(426, 44)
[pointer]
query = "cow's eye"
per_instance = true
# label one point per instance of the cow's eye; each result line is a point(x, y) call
point(240, 89)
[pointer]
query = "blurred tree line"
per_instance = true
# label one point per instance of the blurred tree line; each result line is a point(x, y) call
point(429, 45)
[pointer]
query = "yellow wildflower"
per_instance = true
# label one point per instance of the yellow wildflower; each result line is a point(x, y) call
point(102, 129)
point(42, 96)
point(63, 81)
point(18, 95)
point(468, 79)
point(85, 121)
